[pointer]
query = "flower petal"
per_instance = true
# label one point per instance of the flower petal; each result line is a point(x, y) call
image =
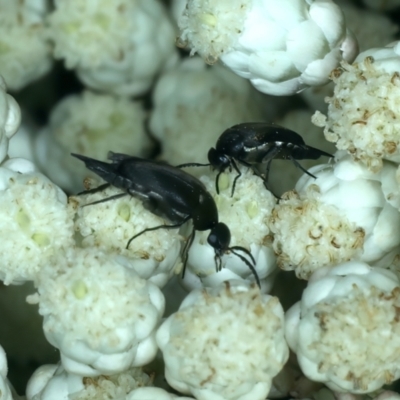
point(306, 43)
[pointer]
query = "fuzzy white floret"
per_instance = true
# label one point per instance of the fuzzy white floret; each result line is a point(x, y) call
point(90, 124)
point(362, 114)
point(246, 215)
point(24, 50)
point(101, 315)
point(224, 343)
point(117, 46)
point(282, 47)
point(36, 222)
point(195, 104)
point(10, 118)
point(345, 330)
point(371, 30)
point(340, 216)
point(109, 226)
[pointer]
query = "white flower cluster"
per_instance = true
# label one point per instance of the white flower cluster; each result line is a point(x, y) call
point(115, 45)
point(91, 124)
point(36, 223)
point(282, 47)
point(224, 343)
point(246, 213)
point(109, 225)
point(195, 104)
point(362, 114)
point(345, 330)
point(99, 314)
point(98, 261)
point(340, 216)
point(24, 49)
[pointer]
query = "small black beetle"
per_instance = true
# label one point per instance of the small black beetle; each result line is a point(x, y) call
point(255, 143)
point(170, 193)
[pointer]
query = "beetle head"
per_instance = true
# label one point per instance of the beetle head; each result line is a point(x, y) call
point(218, 159)
point(219, 238)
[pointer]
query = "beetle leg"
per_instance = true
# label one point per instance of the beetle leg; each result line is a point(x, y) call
point(115, 196)
point(185, 252)
point(217, 180)
point(154, 228)
point(298, 165)
point(236, 177)
point(192, 165)
point(218, 262)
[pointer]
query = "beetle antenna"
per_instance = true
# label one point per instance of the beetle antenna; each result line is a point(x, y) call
point(298, 165)
point(251, 267)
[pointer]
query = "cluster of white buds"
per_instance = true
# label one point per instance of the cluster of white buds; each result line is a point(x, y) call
point(342, 215)
point(224, 343)
point(345, 330)
point(115, 45)
point(101, 315)
point(362, 113)
point(195, 104)
point(36, 222)
point(282, 47)
point(109, 225)
point(25, 53)
point(246, 213)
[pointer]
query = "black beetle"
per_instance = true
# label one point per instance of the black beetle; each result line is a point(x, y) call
point(170, 193)
point(255, 143)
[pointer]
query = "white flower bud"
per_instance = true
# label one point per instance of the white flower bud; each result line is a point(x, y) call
point(362, 118)
point(116, 46)
point(342, 215)
point(195, 104)
point(224, 343)
point(24, 49)
point(345, 330)
point(246, 214)
point(282, 47)
point(35, 223)
point(109, 226)
point(90, 124)
point(100, 315)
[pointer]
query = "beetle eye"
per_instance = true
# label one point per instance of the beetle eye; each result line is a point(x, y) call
point(219, 238)
point(217, 159)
